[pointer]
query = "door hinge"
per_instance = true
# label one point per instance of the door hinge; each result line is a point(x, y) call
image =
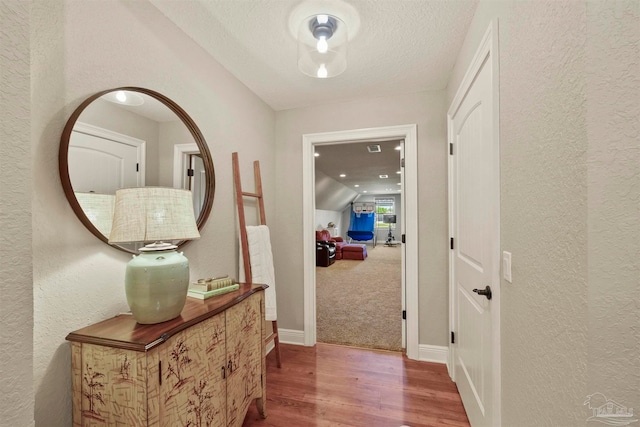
point(160, 371)
point(137, 167)
point(451, 243)
point(403, 239)
point(404, 314)
point(402, 162)
point(453, 337)
point(451, 148)
point(189, 172)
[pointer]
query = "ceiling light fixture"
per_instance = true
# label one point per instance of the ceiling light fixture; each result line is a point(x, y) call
point(316, 154)
point(342, 175)
point(124, 97)
point(384, 176)
point(322, 46)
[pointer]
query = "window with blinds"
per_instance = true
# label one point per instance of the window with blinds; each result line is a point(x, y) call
point(384, 206)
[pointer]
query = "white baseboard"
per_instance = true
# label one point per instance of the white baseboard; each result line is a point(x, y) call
point(287, 336)
point(291, 336)
point(433, 353)
point(427, 353)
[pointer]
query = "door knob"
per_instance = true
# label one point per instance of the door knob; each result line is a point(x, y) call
point(486, 292)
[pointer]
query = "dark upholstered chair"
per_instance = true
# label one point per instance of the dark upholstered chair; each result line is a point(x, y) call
point(325, 253)
point(325, 236)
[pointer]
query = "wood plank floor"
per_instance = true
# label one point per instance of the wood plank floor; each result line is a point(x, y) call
point(330, 385)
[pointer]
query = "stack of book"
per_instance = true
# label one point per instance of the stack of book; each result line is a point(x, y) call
point(207, 288)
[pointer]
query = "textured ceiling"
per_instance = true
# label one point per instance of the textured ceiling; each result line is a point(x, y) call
point(396, 46)
point(400, 46)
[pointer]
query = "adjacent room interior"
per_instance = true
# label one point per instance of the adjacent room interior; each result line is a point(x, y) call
point(359, 298)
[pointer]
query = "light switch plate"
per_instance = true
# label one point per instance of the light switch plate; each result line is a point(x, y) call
point(506, 266)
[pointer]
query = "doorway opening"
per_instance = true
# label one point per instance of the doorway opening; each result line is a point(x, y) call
point(409, 225)
point(358, 202)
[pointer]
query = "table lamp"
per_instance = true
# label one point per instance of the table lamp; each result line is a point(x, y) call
point(157, 280)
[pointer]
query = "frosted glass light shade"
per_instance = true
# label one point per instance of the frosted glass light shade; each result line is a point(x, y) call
point(149, 214)
point(322, 46)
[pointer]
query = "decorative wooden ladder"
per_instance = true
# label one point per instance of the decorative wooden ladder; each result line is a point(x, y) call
point(273, 336)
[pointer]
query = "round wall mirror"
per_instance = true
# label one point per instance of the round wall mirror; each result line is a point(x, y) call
point(131, 137)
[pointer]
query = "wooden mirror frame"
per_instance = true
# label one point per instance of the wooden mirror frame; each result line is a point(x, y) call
point(63, 161)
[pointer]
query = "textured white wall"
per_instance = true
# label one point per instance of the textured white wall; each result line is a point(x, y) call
point(543, 174)
point(427, 110)
point(569, 203)
point(80, 48)
point(16, 268)
point(613, 180)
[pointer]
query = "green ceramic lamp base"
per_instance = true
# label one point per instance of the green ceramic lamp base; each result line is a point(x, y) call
point(156, 285)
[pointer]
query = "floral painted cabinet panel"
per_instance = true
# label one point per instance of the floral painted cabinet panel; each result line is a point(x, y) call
point(193, 369)
point(244, 351)
point(113, 384)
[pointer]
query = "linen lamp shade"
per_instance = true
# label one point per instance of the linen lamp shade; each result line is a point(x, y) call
point(149, 214)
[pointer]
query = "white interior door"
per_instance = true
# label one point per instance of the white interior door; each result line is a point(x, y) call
point(101, 165)
point(474, 201)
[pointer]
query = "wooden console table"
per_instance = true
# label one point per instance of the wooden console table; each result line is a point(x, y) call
point(202, 368)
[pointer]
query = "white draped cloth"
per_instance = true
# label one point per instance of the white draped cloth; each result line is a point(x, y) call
point(261, 261)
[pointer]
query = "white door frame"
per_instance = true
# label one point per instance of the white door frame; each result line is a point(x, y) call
point(181, 162)
point(488, 50)
point(410, 194)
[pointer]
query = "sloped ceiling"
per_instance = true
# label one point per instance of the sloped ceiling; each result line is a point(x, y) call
point(362, 170)
point(331, 195)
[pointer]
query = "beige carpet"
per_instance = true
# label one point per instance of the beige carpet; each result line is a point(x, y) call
point(358, 302)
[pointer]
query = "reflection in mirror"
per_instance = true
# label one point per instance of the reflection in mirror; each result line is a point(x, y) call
point(99, 209)
point(131, 137)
